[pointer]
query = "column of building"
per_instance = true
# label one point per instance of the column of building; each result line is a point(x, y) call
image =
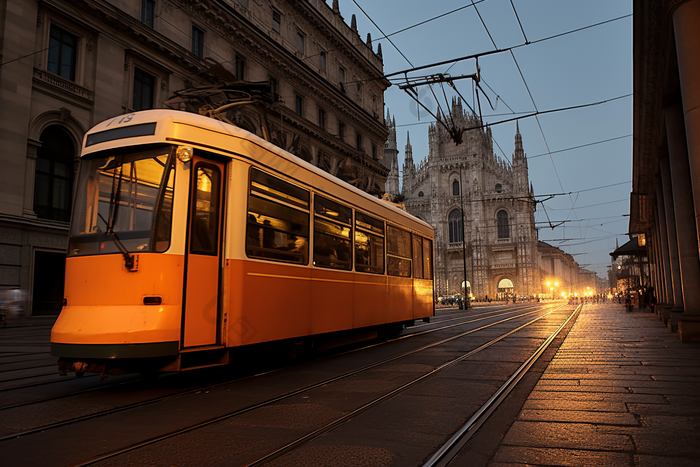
point(680, 175)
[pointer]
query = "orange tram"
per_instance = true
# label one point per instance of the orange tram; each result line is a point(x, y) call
point(192, 238)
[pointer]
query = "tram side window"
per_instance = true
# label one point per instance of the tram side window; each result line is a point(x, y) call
point(278, 220)
point(427, 259)
point(417, 257)
point(398, 249)
point(332, 229)
point(369, 244)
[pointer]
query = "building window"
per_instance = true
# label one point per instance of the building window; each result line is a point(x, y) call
point(454, 221)
point(455, 188)
point(243, 2)
point(148, 8)
point(53, 182)
point(299, 105)
point(276, 20)
point(358, 141)
point(374, 151)
point(420, 194)
point(144, 90)
point(322, 61)
point(299, 41)
point(341, 75)
point(239, 64)
point(197, 41)
point(63, 47)
point(341, 130)
point(499, 188)
point(322, 118)
point(274, 89)
point(503, 229)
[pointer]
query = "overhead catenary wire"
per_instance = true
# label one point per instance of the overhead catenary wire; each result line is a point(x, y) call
point(491, 52)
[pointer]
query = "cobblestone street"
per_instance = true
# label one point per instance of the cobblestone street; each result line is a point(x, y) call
point(621, 390)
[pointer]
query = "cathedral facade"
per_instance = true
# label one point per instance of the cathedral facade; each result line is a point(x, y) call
point(480, 205)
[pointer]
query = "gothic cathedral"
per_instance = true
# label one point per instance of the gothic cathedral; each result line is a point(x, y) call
point(481, 206)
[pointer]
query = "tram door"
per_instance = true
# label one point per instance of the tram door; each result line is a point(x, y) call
point(201, 321)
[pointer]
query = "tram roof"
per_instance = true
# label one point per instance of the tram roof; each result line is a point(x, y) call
point(157, 135)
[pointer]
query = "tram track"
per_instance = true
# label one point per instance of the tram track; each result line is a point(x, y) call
point(208, 387)
point(471, 318)
point(330, 426)
point(545, 311)
point(451, 449)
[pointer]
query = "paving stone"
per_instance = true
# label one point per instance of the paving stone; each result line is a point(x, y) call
point(565, 435)
point(560, 457)
point(591, 406)
point(592, 396)
point(578, 416)
point(621, 390)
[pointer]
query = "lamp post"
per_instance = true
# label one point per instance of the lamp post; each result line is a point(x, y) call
point(465, 300)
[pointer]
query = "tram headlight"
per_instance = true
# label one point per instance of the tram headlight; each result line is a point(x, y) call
point(184, 153)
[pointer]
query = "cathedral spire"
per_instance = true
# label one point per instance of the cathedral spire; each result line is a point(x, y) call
point(519, 153)
point(409, 148)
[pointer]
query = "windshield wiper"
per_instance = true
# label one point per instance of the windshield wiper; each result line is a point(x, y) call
point(128, 258)
point(113, 208)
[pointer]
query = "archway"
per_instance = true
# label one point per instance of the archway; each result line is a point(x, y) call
point(505, 289)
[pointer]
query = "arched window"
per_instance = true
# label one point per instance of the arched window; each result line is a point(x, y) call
point(499, 188)
point(455, 188)
point(53, 182)
point(420, 194)
point(503, 229)
point(454, 220)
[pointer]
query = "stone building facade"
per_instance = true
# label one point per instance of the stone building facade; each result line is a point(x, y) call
point(559, 272)
point(68, 65)
point(497, 234)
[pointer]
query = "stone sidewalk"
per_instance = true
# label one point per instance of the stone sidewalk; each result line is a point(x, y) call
point(622, 390)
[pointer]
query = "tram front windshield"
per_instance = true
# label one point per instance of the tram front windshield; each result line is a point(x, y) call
point(123, 203)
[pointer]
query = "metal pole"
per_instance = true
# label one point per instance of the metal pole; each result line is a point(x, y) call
point(464, 240)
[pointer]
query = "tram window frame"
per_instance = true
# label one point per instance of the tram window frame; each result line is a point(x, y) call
point(205, 234)
point(398, 251)
point(277, 211)
point(370, 231)
point(427, 258)
point(333, 234)
point(417, 244)
point(162, 223)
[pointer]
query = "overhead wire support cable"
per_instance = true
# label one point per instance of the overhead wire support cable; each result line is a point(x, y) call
point(380, 30)
point(427, 21)
point(492, 52)
point(519, 23)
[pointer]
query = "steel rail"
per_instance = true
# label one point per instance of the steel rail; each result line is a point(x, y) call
point(299, 391)
point(451, 448)
point(63, 380)
point(334, 424)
